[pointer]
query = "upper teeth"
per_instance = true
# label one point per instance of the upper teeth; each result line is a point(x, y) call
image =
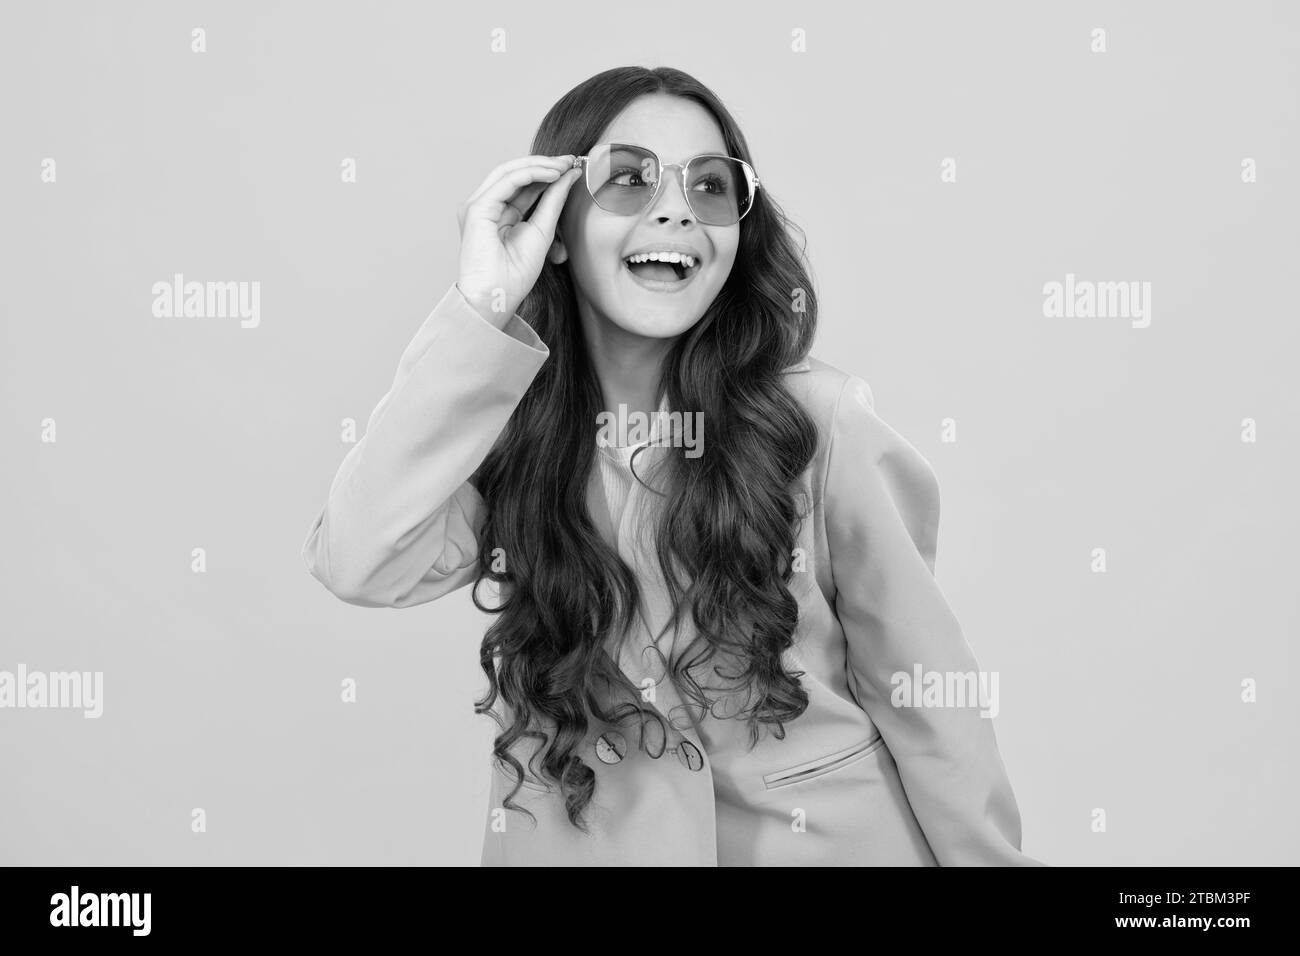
point(687, 261)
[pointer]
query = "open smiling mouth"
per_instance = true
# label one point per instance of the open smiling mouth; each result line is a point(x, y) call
point(662, 269)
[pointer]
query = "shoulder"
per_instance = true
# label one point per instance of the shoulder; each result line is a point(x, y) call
point(857, 449)
point(820, 387)
point(833, 398)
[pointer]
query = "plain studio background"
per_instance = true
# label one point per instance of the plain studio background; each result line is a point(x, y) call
point(222, 690)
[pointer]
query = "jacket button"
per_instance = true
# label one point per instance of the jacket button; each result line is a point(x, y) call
point(610, 747)
point(689, 755)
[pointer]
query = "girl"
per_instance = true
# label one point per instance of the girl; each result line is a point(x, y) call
point(697, 643)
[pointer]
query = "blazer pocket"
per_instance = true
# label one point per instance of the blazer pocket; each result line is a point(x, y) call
point(823, 765)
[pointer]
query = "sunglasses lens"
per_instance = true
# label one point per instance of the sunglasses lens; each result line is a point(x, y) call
point(718, 190)
point(622, 180)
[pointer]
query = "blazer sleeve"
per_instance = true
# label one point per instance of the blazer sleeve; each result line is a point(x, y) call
point(400, 524)
point(882, 521)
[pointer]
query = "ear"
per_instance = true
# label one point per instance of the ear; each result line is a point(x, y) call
point(557, 253)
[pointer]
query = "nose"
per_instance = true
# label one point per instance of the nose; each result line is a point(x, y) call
point(671, 202)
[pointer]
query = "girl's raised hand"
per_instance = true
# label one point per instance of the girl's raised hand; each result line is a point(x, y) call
point(501, 253)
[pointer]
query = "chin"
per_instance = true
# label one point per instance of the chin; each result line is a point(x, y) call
point(659, 315)
point(668, 329)
point(656, 320)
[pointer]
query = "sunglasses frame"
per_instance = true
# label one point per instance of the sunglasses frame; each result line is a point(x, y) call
point(750, 176)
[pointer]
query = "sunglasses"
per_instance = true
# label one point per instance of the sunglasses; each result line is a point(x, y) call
point(625, 179)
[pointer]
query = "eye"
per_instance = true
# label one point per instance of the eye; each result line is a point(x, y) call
point(632, 173)
point(714, 183)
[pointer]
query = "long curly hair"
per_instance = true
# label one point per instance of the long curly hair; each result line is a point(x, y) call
point(725, 520)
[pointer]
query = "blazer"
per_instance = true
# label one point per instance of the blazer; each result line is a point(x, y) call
point(856, 780)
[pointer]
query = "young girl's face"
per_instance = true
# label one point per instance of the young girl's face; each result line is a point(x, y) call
point(596, 242)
